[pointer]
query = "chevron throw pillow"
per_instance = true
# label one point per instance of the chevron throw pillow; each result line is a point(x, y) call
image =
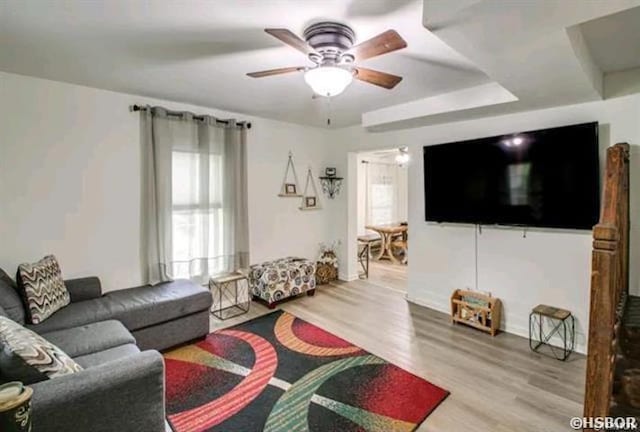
point(42, 288)
point(27, 357)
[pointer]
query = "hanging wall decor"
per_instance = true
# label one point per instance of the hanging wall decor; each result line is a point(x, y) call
point(289, 186)
point(331, 183)
point(310, 198)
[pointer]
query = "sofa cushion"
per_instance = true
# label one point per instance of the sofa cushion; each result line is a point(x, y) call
point(10, 299)
point(90, 338)
point(75, 315)
point(150, 305)
point(42, 288)
point(28, 357)
point(135, 307)
point(86, 288)
point(100, 357)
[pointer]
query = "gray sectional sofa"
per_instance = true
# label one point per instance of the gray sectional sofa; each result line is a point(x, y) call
point(114, 337)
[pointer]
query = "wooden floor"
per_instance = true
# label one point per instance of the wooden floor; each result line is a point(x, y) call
point(496, 384)
point(387, 274)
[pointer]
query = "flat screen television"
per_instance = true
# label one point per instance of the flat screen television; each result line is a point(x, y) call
point(543, 178)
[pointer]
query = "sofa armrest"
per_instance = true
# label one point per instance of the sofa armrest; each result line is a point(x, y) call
point(84, 288)
point(125, 395)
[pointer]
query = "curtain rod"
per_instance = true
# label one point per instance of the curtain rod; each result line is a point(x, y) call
point(133, 108)
point(377, 162)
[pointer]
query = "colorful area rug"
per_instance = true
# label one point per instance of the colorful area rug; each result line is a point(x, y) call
point(278, 373)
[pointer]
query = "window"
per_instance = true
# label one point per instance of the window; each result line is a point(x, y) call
point(381, 199)
point(382, 203)
point(518, 176)
point(385, 194)
point(197, 213)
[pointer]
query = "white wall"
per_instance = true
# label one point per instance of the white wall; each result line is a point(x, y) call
point(361, 194)
point(70, 171)
point(548, 266)
point(277, 227)
point(70, 185)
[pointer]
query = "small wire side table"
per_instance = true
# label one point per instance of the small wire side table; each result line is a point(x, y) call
point(230, 294)
point(561, 324)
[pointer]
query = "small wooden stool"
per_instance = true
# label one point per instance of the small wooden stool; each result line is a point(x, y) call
point(562, 324)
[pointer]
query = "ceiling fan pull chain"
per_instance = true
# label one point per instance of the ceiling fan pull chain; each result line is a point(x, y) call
point(328, 111)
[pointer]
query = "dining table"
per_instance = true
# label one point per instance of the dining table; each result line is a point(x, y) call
point(387, 233)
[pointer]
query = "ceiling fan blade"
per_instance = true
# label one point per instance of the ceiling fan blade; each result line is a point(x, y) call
point(291, 39)
point(383, 43)
point(270, 72)
point(378, 78)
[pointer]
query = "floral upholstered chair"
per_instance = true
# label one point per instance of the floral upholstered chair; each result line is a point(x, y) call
point(274, 281)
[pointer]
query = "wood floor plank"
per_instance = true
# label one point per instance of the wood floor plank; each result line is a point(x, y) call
point(497, 384)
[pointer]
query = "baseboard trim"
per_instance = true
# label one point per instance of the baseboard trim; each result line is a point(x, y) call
point(427, 303)
point(347, 278)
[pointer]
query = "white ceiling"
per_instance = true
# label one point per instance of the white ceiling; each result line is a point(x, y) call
point(199, 51)
point(465, 58)
point(534, 50)
point(614, 40)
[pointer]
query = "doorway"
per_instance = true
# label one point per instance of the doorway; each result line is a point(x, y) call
point(382, 211)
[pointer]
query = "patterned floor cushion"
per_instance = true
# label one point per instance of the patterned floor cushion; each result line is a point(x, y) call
point(273, 281)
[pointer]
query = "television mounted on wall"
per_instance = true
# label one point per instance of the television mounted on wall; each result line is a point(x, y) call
point(543, 178)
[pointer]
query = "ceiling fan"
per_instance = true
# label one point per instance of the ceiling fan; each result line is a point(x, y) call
point(329, 45)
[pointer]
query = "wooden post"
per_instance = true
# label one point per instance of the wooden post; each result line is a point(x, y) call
point(609, 281)
point(602, 318)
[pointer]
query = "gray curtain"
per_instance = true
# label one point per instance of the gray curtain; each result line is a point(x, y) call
point(195, 216)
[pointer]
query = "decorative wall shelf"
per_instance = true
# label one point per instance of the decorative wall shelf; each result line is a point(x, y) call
point(310, 202)
point(330, 182)
point(290, 187)
point(331, 185)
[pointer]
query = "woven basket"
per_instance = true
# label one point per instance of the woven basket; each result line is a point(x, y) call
point(325, 273)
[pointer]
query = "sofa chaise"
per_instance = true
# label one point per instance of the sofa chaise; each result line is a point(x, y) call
point(114, 337)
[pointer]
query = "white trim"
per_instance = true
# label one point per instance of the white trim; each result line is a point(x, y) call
point(428, 304)
point(348, 278)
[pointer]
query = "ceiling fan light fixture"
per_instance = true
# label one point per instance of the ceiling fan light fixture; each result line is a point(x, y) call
point(403, 157)
point(328, 81)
